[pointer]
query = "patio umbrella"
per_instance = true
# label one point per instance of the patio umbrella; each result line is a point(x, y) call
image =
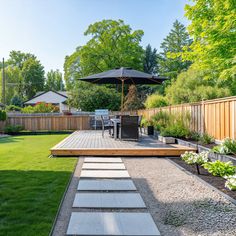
point(123, 76)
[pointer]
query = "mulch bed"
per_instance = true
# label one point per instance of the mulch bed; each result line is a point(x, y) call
point(217, 182)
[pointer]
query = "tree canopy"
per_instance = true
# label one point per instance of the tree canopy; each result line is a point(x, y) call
point(54, 81)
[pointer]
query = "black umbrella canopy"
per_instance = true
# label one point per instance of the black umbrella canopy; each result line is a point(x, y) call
point(125, 75)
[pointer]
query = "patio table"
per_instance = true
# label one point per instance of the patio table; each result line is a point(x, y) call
point(115, 122)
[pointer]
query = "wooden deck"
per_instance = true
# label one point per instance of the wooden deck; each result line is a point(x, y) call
point(91, 143)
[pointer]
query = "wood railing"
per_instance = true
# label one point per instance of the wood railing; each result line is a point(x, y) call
point(216, 117)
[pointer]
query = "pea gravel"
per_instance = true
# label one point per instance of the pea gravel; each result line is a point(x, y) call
point(179, 203)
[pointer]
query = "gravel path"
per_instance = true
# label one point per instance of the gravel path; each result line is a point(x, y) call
point(178, 202)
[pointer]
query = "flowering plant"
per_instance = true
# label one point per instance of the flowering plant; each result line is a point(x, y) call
point(231, 182)
point(195, 158)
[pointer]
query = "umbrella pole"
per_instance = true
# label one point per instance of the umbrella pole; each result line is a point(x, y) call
point(122, 95)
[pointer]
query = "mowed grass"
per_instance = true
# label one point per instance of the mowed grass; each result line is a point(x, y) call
point(31, 184)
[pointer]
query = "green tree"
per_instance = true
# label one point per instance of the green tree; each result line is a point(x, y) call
point(150, 60)
point(190, 86)
point(176, 41)
point(16, 101)
point(96, 97)
point(33, 77)
point(213, 28)
point(54, 81)
point(113, 44)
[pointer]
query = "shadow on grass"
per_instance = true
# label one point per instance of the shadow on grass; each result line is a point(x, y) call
point(29, 200)
point(197, 216)
point(11, 139)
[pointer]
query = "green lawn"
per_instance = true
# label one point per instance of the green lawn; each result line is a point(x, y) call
point(31, 184)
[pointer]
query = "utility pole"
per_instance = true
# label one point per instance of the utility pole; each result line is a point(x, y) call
point(3, 83)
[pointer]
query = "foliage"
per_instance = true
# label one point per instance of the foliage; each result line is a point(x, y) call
point(40, 107)
point(16, 101)
point(146, 122)
point(175, 42)
point(213, 30)
point(178, 126)
point(13, 108)
point(219, 168)
point(54, 81)
point(33, 74)
point(94, 97)
point(25, 76)
point(206, 138)
point(195, 158)
point(190, 86)
point(3, 115)
point(112, 44)
point(194, 136)
point(132, 101)
point(160, 120)
point(156, 100)
point(231, 182)
point(227, 147)
point(40, 182)
point(13, 129)
point(150, 65)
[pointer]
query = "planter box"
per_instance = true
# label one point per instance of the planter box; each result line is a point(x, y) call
point(156, 133)
point(166, 140)
point(213, 156)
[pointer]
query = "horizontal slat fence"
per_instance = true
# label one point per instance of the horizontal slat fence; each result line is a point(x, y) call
point(51, 123)
point(216, 117)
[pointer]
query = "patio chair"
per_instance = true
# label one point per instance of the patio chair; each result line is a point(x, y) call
point(129, 128)
point(106, 125)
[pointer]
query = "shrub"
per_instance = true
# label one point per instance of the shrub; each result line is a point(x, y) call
point(175, 130)
point(40, 107)
point(194, 136)
point(231, 183)
point(195, 158)
point(156, 100)
point(13, 108)
point(219, 168)
point(12, 129)
point(3, 115)
point(161, 120)
point(227, 147)
point(206, 138)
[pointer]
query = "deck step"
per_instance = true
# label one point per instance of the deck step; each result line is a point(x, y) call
point(109, 200)
point(103, 159)
point(106, 185)
point(103, 166)
point(112, 223)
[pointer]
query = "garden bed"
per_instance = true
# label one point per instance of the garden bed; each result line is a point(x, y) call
point(216, 182)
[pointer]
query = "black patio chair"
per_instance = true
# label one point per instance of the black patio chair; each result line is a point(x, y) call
point(128, 129)
point(106, 125)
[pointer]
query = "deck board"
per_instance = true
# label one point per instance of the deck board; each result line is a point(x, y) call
point(91, 143)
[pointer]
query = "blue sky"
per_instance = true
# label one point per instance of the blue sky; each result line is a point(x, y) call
point(52, 29)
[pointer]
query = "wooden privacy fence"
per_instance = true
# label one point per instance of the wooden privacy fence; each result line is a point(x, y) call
point(51, 123)
point(216, 117)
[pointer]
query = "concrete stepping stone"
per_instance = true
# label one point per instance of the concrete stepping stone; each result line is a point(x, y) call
point(103, 159)
point(112, 223)
point(106, 185)
point(104, 174)
point(104, 166)
point(108, 200)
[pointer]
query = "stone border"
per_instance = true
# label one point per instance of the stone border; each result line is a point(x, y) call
point(203, 182)
point(212, 155)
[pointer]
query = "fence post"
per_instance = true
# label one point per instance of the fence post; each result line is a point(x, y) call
point(202, 117)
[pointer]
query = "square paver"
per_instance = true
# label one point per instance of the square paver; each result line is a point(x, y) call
point(103, 166)
point(103, 159)
point(108, 200)
point(112, 223)
point(106, 185)
point(104, 174)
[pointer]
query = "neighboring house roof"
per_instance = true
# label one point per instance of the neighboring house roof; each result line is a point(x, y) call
point(48, 97)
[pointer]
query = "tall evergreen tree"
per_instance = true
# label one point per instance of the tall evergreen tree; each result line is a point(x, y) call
point(150, 60)
point(176, 41)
